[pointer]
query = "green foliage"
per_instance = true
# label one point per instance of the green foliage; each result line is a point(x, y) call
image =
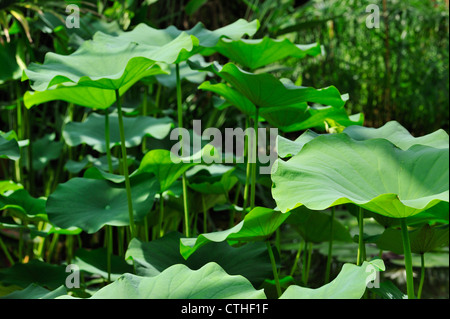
point(89, 174)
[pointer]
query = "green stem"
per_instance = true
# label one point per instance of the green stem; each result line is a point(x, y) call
point(361, 247)
point(107, 142)
point(21, 245)
point(51, 249)
point(249, 168)
point(274, 268)
point(161, 216)
point(422, 275)
point(180, 125)
point(5, 250)
point(297, 257)
point(125, 166)
point(330, 247)
point(255, 158)
point(109, 235)
point(308, 264)
point(120, 239)
point(408, 259)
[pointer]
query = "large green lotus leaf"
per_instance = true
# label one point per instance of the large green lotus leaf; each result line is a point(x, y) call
point(44, 150)
point(398, 135)
point(92, 97)
point(256, 53)
point(95, 262)
point(35, 271)
point(423, 240)
point(350, 283)
point(315, 226)
point(213, 179)
point(374, 174)
point(91, 204)
point(102, 67)
point(154, 38)
point(21, 204)
point(34, 291)
point(151, 258)
point(92, 130)
point(180, 282)
point(104, 64)
point(287, 118)
point(265, 90)
point(9, 148)
point(257, 225)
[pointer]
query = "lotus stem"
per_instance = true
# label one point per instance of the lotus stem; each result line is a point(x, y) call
point(307, 263)
point(107, 142)
point(109, 239)
point(7, 254)
point(180, 125)
point(247, 151)
point(361, 247)
point(125, 166)
point(330, 247)
point(408, 259)
point(274, 268)
point(160, 232)
point(297, 257)
point(422, 275)
point(255, 158)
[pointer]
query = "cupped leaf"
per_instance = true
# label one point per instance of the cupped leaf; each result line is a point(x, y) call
point(151, 37)
point(92, 130)
point(92, 97)
point(180, 282)
point(398, 135)
point(374, 174)
point(350, 283)
point(95, 203)
point(265, 90)
point(103, 66)
point(9, 148)
point(151, 258)
point(257, 225)
point(256, 53)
